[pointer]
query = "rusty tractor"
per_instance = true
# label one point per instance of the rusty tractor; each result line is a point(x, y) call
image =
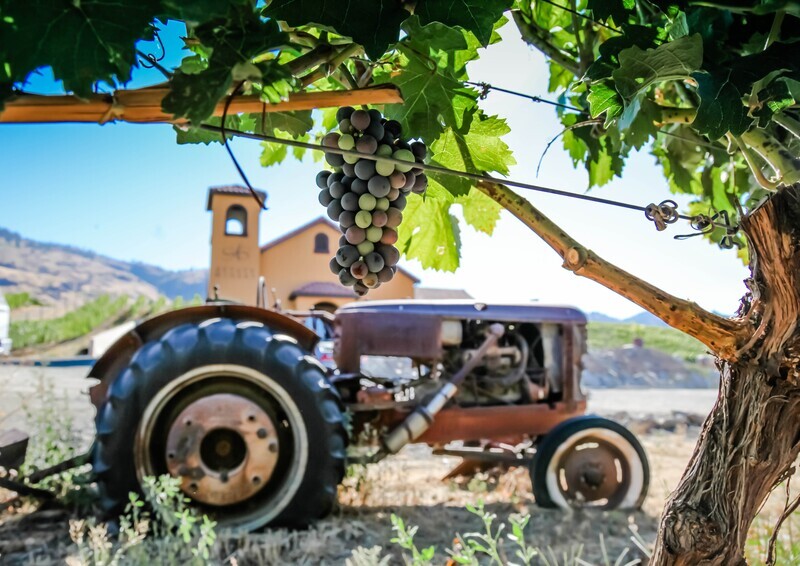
point(231, 399)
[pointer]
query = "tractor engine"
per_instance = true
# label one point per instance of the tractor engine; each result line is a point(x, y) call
point(512, 371)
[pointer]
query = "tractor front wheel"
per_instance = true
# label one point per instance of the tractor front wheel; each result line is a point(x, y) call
point(244, 417)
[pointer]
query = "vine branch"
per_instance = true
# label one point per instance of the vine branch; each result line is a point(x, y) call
point(538, 37)
point(719, 334)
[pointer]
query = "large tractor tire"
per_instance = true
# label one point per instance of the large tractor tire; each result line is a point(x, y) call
point(242, 415)
point(590, 462)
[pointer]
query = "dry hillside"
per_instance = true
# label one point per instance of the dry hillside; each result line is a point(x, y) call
point(62, 275)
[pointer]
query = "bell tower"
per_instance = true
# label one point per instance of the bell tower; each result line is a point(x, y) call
point(235, 252)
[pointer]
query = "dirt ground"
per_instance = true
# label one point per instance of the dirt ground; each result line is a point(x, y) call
point(409, 485)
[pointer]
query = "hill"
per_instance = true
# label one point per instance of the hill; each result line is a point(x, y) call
point(57, 274)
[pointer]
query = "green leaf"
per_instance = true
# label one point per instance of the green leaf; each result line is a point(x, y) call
point(721, 109)
point(433, 97)
point(273, 153)
point(478, 150)
point(642, 126)
point(618, 10)
point(429, 233)
point(374, 24)
point(295, 123)
point(84, 42)
point(604, 99)
point(675, 60)
point(477, 16)
point(233, 41)
point(480, 211)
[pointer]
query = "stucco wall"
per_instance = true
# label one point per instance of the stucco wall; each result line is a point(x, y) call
point(292, 263)
point(234, 259)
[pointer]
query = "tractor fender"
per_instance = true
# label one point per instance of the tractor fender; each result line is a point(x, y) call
point(117, 356)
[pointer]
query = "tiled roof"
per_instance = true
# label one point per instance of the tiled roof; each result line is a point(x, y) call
point(429, 293)
point(322, 289)
point(317, 221)
point(232, 190)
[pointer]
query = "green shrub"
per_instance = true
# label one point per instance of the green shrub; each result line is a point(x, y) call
point(610, 335)
point(19, 300)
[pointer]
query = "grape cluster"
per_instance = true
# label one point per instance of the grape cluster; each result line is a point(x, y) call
point(367, 197)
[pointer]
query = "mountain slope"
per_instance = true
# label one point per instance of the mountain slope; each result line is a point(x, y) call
point(55, 273)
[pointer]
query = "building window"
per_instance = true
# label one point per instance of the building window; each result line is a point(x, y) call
point(321, 244)
point(236, 221)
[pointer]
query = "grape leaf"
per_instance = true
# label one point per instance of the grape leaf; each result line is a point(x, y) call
point(431, 97)
point(480, 211)
point(374, 24)
point(721, 109)
point(604, 99)
point(233, 41)
point(477, 16)
point(616, 9)
point(477, 150)
point(638, 69)
point(642, 126)
point(430, 233)
point(295, 123)
point(84, 42)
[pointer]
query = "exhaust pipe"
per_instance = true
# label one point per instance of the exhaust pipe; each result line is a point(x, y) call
point(422, 417)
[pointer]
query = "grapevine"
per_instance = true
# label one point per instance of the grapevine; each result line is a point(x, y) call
point(367, 196)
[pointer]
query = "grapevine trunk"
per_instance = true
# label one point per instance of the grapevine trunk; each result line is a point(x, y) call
point(752, 437)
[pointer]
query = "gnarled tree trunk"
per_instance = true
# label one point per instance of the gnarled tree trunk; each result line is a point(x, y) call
point(752, 437)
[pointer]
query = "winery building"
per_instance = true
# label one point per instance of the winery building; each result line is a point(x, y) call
point(294, 266)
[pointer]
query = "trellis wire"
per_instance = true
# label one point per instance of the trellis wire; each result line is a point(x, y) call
point(648, 210)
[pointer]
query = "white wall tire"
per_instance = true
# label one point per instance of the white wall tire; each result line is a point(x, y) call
point(590, 462)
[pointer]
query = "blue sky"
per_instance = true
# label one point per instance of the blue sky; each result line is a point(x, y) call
point(130, 192)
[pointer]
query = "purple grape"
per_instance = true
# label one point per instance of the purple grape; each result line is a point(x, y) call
point(360, 120)
point(419, 150)
point(334, 266)
point(350, 202)
point(421, 184)
point(331, 140)
point(347, 255)
point(379, 186)
point(325, 197)
point(334, 210)
point(367, 144)
point(374, 262)
point(334, 159)
point(349, 170)
point(365, 169)
point(322, 179)
point(346, 278)
point(359, 186)
point(344, 113)
point(393, 127)
point(347, 219)
point(337, 190)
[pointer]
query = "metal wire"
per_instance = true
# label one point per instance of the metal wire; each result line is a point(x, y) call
point(223, 132)
point(446, 171)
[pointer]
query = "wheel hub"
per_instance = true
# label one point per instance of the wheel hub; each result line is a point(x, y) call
point(224, 448)
point(591, 473)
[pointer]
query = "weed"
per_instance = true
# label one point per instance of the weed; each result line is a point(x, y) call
point(170, 532)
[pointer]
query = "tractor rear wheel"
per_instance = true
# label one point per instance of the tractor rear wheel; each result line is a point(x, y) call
point(244, 417)
point(590, 462)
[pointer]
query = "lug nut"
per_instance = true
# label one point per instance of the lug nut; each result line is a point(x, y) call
point(261, 433)
point(193, 486)
point(273, 447)
point(223, 476)
point(256, 480)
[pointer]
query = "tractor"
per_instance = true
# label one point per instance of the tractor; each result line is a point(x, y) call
point(231, 399)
